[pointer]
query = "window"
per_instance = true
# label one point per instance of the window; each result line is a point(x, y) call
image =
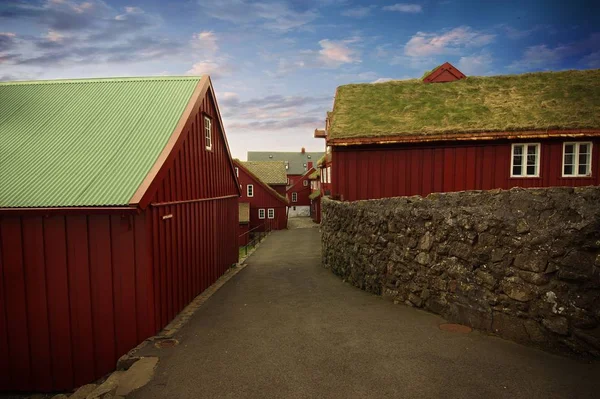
point(208, 133)
point(261, 213)
point(329, 174)
point(288, 181)
point(525, 160)
point(294, 197)
point(577, 159)
point(287, 165)
point(271, 213)
point(237, 171)
point(250, 190)
point(305, 183)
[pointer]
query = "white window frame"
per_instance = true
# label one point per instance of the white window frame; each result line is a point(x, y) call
point(237, 171)
point(271, 213)
point(294, 197)
point(250, 190)
point(305, 183)
point(207, 133)
point(261, 213)
point(576, 145)
point(524, 160)
point(329, 174)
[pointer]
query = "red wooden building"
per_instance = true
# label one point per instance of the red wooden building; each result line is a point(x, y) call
point(268, 208)
point(298, 195)
point(315, 196)
point(118, 205)
point(531, 130)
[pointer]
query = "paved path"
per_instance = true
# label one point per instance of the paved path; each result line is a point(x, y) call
point(301, 222)
point(284, 327)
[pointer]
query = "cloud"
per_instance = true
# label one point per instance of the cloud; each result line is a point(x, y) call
point(217, 68)
point(543, 56)
point(278, 16)
point(86, 32)
point(206, 40)
point(357, 12)
point(476, 64)
point(7, 41)
point(404, 7)
point(334, 53)
point(424, 44)
point(382, 80)
point(299, 122)
point(592, 60)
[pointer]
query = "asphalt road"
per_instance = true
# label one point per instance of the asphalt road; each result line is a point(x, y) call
point(284, 327)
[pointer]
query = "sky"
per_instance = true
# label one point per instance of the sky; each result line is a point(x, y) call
point(275, 65)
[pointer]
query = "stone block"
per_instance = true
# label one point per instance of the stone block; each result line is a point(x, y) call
point(531, 261)
point(558, 325)
point(509, 327)
point(516, 289)
point(83, 391)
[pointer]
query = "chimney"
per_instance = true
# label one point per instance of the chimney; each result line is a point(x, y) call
point(303, 150)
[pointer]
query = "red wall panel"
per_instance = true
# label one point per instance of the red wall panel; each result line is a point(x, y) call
point(66, 298)
point(302, 191)
point(366, 172)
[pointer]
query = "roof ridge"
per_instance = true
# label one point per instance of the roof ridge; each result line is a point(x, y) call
point(103, 80)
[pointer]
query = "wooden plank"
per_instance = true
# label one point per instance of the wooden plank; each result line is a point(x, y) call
point(37, 305)
point(57, 277)
point(80, 298)
point(101, 274)
point(124, 282)
point(5, 382)
point(16, 303)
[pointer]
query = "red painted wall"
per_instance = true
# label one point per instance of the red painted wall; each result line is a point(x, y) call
point(400, 170)
point(77, 292)
point(293, 179)
point(281, 189)
point(262, 199)
point(315, 210)
point(80, 290)
point(243, 236)
point(302, 190)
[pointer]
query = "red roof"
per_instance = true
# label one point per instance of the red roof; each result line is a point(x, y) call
point(444, 73)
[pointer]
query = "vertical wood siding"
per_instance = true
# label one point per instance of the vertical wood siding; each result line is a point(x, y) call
point(262, 199)
point(193, 247)
point(75, 294)
point(402, 170)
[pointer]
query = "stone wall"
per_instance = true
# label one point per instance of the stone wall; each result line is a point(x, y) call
point(521, 263)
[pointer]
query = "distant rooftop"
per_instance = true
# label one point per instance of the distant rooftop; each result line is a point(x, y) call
point(297, 162)
point(270, 172)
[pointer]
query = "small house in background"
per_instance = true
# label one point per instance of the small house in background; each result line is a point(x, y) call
point(271, 172)
point(298, 195)
point(268, 208)
point(315, 196)
point(449, 132)
point(296, 163)
point(118, 206)
point(244, 221)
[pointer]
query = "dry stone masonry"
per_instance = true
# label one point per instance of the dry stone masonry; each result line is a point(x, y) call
point(521, 263)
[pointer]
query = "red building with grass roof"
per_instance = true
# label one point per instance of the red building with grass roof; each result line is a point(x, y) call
point(299, 194)
point(457, 133)
point(268, 208)
point(118, 206)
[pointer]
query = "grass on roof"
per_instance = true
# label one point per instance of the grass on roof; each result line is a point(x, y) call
point(543, 100)
point(314, 195)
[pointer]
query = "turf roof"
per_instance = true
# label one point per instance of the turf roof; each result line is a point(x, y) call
point(543, 100)
point(88, 142)
point(270, 172)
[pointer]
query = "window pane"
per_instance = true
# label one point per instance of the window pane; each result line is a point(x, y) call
point(517, 168)
point(569, 149)
point(532, 160)
point(568, 170)
point(584, 148)
point(569, 159)
point(517, 160)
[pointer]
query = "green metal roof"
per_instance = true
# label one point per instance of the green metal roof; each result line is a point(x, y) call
point(88, 142)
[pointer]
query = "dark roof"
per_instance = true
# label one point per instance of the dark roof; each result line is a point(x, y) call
point(471, 106)
point(271, 172)
point(295, 160)
point(85, 142)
